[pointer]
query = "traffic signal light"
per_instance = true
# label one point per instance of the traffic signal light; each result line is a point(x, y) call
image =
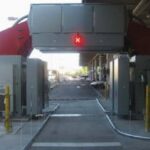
point(78, 40)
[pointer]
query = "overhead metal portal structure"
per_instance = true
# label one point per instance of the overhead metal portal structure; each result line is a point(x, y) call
point(125, 2)
point(77, 27)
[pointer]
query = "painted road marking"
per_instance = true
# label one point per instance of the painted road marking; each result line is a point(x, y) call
point(66, 115)
point(73, 144)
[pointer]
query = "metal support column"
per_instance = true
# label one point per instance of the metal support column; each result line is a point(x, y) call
point(92, 70)
point(100, 68)
point(95, 69)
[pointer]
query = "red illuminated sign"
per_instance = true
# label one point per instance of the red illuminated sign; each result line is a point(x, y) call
point(78, 40)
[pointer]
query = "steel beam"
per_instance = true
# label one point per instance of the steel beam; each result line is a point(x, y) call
point(127, 2)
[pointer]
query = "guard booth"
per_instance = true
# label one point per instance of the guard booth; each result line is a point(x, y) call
point(77, 27)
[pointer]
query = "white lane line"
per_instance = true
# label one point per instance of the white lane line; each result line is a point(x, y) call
point(72, 144)
point(66, 115)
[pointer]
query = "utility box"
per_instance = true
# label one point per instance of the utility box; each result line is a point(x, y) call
point(54, 27)
point(121, 85)
point(139, 78)
point(36, 93)
point(11, 73)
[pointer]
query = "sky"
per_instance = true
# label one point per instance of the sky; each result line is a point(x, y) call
point(19, 8)
point(67, 61)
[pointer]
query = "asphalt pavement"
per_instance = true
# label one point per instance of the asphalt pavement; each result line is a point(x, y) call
point(78, 124)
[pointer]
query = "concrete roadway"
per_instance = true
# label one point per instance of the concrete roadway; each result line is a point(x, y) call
point(79, 124)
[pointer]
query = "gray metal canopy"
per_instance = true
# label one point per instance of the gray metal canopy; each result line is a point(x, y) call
point(102, 27)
